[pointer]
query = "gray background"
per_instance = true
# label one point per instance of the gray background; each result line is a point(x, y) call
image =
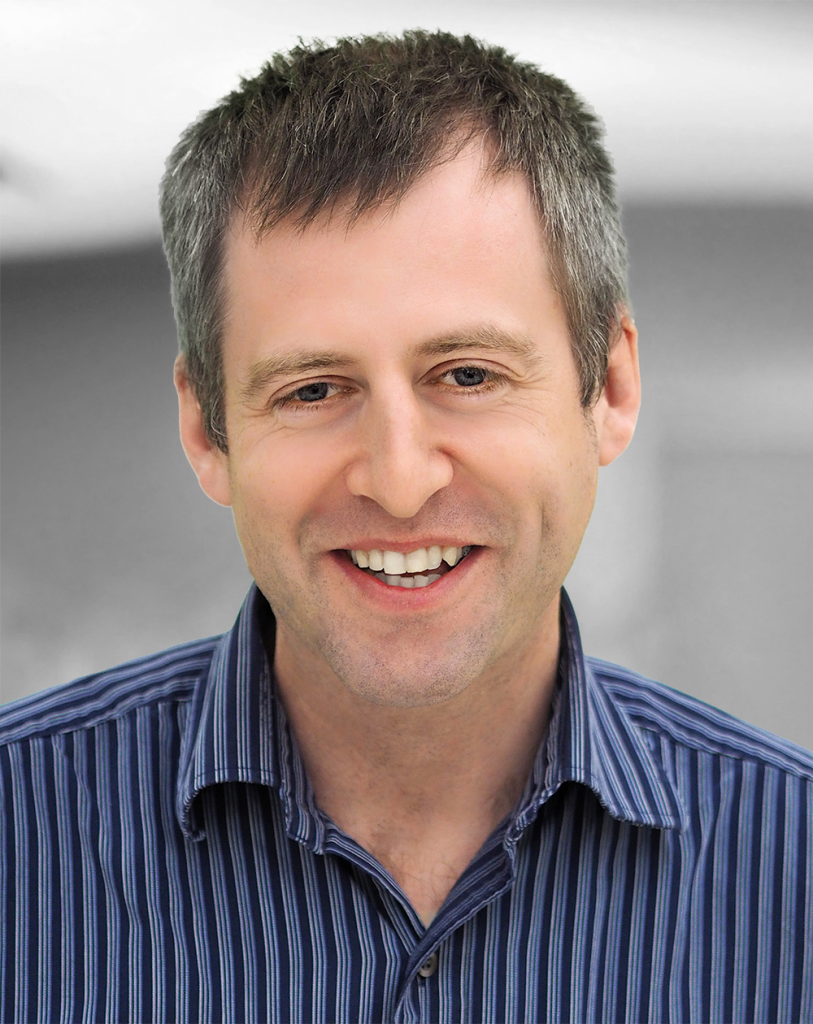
point(697, 567)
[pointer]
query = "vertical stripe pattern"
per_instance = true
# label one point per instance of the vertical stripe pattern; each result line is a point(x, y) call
point(162, 858)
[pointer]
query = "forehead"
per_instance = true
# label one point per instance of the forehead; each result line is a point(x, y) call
point(463, 247)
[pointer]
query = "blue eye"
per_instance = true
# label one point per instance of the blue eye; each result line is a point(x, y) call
point(469, 376)
point(315, 392)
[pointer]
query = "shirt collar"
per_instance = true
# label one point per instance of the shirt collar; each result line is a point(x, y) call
point(592, 740)
point(236, 731)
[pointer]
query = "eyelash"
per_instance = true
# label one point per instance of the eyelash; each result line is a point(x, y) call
point(291, 400)
point(492, 380)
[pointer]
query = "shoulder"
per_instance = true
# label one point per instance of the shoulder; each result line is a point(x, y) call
point(684, 721)
point(170, 675)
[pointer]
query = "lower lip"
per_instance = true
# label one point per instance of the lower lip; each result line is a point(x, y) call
point(406, 598)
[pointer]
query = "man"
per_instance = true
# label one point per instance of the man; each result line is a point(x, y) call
point(397, 790)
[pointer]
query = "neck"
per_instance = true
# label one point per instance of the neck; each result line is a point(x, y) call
point(421, 788)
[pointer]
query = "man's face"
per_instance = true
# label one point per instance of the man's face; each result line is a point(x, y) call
point(400, 384)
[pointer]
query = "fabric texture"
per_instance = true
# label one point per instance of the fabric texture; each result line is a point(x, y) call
point(162, 858)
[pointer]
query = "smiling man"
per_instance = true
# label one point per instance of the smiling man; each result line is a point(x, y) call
point(397, 790)
point(411, 470)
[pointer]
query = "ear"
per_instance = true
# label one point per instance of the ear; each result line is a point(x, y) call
point(210, 464)
point(616, 411)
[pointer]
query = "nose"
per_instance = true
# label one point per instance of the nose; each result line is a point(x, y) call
point(401, 463)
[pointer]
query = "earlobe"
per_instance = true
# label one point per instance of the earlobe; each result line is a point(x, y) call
point(616, 411)
point(206, 459)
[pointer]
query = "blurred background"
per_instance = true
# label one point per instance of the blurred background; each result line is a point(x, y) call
point(697, 568)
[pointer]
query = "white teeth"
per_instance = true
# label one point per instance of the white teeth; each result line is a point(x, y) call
point(409, 582)
point(452, 555)
point(434, 557)
point(417, 561)
point(394, 563)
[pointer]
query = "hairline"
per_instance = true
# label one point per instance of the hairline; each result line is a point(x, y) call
point(580, 227)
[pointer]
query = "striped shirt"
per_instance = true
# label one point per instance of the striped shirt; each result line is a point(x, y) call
point(162, 858)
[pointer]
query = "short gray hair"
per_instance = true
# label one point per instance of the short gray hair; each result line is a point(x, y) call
point(357, 124)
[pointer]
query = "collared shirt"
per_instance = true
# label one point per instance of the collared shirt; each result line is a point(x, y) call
point(162, 858)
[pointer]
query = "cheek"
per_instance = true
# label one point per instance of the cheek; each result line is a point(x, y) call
point(279, 472)
point(553, 477)
point(529, 455)
point(262, 499)
point(278, 488)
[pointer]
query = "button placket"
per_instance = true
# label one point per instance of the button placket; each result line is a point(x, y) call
point(429, 966)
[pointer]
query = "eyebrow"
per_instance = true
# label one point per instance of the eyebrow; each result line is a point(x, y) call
point(266, 371)
point(485, 337)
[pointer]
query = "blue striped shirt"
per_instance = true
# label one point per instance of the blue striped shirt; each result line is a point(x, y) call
point(162, 858)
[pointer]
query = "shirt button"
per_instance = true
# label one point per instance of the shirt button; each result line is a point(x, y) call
point(429, 966)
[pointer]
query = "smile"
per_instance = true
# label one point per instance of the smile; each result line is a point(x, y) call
point(411, 570)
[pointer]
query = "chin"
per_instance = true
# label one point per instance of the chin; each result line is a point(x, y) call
point(407, 680)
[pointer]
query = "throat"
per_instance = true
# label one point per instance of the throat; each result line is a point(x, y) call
point(425, 862)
